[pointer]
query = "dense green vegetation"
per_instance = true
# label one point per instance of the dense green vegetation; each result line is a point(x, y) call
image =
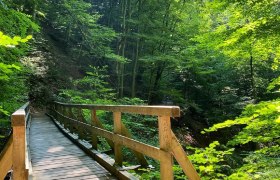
point(218, 60)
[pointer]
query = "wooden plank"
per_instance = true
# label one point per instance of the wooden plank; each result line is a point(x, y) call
point(166, 163)
point(182, 159)
point(67, 173)
point(6, 158)
point(54, 160)
point(138, 146)
point(93, 177)
point(117, 146)
point(171, 111)
point(103, 159)
point(68, 165)
point(76, 176)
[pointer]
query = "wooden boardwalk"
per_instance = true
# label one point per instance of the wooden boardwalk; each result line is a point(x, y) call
point(54, 156)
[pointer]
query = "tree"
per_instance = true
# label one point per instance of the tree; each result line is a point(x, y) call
point(14, 26)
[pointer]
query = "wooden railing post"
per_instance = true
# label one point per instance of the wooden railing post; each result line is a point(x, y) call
point(19, 148)
point(66, 122)
point(94, 139)
point(117, 146)
point(165, 137)
point(80, 116)
point(169, 145)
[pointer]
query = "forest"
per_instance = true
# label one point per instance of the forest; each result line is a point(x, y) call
point(216, 59)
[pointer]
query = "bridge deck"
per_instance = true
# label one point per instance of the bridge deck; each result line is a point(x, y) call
point(53, 156)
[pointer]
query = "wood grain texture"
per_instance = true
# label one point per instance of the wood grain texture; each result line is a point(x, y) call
point(94, 138)
point(166, 163)
point(19, 149)
point(171, 111)
point(118, 130)
point(182, 159)
point(54, 156)
point(6, 158)
point(169, 145)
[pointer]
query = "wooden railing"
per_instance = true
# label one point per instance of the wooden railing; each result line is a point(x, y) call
point(71, 116)
point(15, 154)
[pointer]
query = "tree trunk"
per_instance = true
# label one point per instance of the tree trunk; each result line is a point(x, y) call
point(124, 31)
point(136, 56)
point(134, 72)
point(252, 77)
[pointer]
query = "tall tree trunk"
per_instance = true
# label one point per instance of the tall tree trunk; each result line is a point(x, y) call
point(124, 31)
point(252, 76)
point(136, 55)
point(110, 13)
point(134, 72)
point(162, 49)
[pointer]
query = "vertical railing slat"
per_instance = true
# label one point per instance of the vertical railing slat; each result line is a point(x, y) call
point(165, 137)
point(94, 139)
point(117, 130)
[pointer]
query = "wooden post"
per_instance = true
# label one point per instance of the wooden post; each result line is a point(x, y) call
point(165, 137)
point(117, 130)
point(62, 118)
point(81, 116)
point(94, 139)
point(19, 148)
point(81, 131)
point(73, 126)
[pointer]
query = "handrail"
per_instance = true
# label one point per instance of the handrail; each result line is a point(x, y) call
point(172, 111)
point(169, 145)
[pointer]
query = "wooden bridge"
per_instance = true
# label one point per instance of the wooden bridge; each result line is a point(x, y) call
point(63, 144)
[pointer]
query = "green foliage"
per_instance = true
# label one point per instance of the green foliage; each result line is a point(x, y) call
point(261, 124)
point(149, 174)
point(211, 161)
point(78, 26)
point(7, 70)
point(90, 89)
point(13, 25)
point(212, 58)
point(274, 85)
point(8, 42)
point(261, 164)
point(3, 111)
point(16, 23)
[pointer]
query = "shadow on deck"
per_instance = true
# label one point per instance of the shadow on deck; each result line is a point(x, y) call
point(54, 156)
